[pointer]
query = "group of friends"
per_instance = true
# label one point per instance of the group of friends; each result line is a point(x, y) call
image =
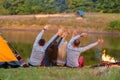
point(57, 51)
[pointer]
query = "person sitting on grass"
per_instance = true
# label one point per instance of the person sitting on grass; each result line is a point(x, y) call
point(61, 58)
point(51, 52)
point(39, 48)
point(74, 50)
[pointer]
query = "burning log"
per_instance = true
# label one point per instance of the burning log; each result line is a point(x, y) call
point(107, 61)
point(106, 64)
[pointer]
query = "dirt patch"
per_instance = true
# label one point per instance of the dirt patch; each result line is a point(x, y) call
point(35, 16)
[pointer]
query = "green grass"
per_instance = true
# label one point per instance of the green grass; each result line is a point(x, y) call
point(24, 50)
point(92, 22)
point(58, 73)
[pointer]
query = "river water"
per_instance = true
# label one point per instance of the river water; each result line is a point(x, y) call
point(23, 41)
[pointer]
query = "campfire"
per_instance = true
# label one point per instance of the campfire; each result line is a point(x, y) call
point(107, 61)
point(107, 58)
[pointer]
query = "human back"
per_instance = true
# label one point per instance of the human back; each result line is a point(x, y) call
point(74, 50)
point(61, 59)
point(38, 49)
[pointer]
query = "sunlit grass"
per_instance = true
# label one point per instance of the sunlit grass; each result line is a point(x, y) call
point(91, 21)
point(59, 73)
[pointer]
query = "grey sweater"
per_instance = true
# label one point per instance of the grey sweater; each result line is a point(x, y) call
point(74, 53)
point(38, 51)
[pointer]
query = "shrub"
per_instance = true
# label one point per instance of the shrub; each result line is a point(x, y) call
point(114, 25)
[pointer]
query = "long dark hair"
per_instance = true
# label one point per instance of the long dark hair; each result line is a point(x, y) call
point(52, 52)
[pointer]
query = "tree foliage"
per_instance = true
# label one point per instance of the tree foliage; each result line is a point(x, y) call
point(57, 6)
point(110, 6)
point(114, 25)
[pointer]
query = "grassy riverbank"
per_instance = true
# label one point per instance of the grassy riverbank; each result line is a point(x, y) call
point(94, 22)
point(58, 73)
point(91, 21)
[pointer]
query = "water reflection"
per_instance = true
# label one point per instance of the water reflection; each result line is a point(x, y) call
point(23, 40)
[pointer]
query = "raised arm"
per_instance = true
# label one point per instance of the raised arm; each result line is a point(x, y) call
point(76, 37)
point(50, 41)
point(58, 34)
point(39, 36)
point(99, 41)
point(63, 37)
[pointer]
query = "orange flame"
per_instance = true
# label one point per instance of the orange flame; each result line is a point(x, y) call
point(107, 58)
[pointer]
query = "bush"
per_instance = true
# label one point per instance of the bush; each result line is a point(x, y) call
point(3, 11)
point(114, 25)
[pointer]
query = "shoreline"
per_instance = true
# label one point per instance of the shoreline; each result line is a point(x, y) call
point(91, 23)
point(37, 30)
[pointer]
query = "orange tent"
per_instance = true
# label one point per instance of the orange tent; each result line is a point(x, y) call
point(7, 57)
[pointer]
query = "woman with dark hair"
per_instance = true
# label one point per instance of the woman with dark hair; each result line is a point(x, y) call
point(39, 48)
point(52, 51)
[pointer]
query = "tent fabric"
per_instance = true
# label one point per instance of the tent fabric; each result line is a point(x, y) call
point(80, 12)
point(12, 64)
point(7, 57)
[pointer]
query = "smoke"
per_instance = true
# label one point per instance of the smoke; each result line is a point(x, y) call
point(98, 54)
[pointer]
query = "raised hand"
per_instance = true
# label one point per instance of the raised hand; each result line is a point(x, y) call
point(46, 27)
point(60, 31)
point(65, 34)
point(100, 41)
point(84, 34)
point(74, 33)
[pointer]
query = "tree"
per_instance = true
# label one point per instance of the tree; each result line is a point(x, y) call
point(13, 6)
point(57, 6)
point(110, 6)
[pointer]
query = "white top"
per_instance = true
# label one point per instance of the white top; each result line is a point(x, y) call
point(39, 51)
point(74, 53)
